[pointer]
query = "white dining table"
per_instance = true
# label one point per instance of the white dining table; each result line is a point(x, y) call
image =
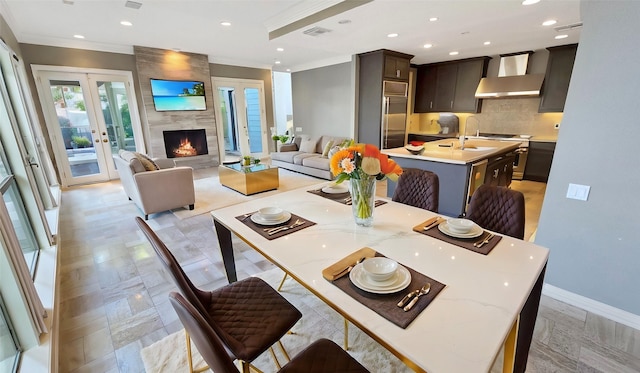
point(462, 330)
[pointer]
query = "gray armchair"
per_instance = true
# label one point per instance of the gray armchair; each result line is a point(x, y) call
point(155, 190)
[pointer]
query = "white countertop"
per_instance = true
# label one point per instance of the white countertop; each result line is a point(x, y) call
point(433, 151)
point(465, 326)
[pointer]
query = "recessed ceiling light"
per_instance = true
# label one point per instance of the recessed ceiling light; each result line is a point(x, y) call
point(530, 2)
point(77, 36)
point(126, 23)
point(344, 21)
point(280, 49)
point(433, 19)
point(393, 35)
point(549, 22)
point(427, 46)
point(277, 62)
point(562, 36)
point(288, 69)
point(225, 23)
point(487, 43)
point(454, 53)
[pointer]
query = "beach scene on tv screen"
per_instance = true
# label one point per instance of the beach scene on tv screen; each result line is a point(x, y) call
point(178, 95)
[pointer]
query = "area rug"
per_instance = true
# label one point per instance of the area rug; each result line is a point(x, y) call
point(318, 321)
point(211, 195)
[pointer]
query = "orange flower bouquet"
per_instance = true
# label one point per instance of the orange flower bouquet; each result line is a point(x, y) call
point(363, 164)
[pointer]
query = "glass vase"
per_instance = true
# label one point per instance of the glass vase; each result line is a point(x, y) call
point(363, 194)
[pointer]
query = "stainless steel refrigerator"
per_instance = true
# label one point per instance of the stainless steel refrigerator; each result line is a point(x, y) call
point(394, 114)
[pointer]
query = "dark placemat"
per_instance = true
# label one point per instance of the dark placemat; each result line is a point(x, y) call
point(386, 305)
point(341, 197)
point(466, 243)
point(260, 229)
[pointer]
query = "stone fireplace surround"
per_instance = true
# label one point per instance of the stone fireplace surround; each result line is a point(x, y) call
point(166, 64)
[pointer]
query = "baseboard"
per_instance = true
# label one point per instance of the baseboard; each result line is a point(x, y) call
point(587, 304)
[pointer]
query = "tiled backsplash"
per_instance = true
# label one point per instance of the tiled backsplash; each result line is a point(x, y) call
point(513, 116)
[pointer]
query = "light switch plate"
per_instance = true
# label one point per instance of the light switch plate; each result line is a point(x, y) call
point(298, 129)
point(579, 192)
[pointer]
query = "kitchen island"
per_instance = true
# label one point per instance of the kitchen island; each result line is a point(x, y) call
point(460, 171)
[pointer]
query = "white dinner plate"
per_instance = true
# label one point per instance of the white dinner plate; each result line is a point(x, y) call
point(258, 219)
point(401, 280)
point(335, 189)
point(475, 231)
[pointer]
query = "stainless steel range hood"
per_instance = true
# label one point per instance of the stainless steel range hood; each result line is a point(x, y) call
point(512, 80)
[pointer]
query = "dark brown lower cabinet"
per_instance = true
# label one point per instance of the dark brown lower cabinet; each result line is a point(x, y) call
point(500, 170)
point(539, 161)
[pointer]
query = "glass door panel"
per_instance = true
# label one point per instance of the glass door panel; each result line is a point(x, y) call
point(90, 117)
point(20, 222)
point(240, 106)
point(254, 124)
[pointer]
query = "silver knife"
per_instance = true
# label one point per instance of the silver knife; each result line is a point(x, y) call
point(407, 297)
point(486, 240)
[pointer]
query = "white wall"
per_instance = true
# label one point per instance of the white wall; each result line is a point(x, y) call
point(282, 103)
point(595, 245)
point(324, 101)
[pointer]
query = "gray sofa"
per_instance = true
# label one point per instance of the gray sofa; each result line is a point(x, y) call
point(155, 185)
point(304, 155)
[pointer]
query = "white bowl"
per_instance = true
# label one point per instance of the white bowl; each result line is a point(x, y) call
point(413, 149)
point(379, 268)
point(460, 225)
point(271, 213)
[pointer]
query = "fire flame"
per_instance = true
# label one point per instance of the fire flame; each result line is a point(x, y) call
point(185, 149)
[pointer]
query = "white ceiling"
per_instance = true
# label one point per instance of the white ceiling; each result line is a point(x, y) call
point(194, 26)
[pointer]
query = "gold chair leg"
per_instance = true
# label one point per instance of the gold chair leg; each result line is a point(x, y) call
point(254, 368)
point(190, 357)
point(282, 282)
point(346, 335)
point(245, 366)
point(275, 359)
point(284, 352)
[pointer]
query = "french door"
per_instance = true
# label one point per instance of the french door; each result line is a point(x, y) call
point(90, 117)
point(241, 118)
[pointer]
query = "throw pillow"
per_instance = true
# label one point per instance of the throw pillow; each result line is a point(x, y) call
point(325, 151)
point(308, 146)
point(333, 151)
point(147, 162)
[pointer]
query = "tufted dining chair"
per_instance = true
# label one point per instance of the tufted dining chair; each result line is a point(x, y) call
point(418, 188)
point(248, 315)
point(322, 356)
point(498, 209)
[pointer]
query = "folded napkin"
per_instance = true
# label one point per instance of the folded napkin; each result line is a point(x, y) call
point(338, 269)
point(466, 243)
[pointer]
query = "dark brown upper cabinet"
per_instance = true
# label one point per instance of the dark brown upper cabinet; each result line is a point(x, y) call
point(449, 86)
point(557, 78)
point(396, 67)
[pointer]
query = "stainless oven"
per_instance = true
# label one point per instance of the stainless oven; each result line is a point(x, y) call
point(521, 153)
point(521, 160)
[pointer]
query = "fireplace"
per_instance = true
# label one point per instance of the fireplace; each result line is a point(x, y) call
point(185, 143)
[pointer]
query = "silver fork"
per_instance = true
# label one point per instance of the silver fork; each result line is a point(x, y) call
point(284, 228)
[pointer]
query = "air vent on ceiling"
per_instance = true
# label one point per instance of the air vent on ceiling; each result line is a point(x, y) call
point(572, 26)
point(316, 31)
point(133, 4)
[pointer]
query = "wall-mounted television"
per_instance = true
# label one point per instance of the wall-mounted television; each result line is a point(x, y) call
point(178, 95)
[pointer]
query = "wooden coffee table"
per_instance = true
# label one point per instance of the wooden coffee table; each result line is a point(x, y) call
point(249, 179)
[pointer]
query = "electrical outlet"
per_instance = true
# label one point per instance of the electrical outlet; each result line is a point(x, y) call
point(556, 126)
point(298, 129)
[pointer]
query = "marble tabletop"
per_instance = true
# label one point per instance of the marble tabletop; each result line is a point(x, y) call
point(462, 330)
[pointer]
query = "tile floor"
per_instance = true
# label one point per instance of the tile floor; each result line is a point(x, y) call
point(113, 292)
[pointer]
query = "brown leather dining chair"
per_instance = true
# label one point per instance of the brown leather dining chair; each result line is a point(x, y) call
point(322, 356)
point(498, 209)
point(248, 315)
point(418, 188)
